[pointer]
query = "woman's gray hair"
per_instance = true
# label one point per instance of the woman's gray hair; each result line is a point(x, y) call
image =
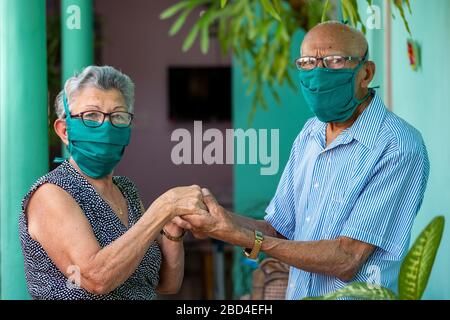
point(104, 78)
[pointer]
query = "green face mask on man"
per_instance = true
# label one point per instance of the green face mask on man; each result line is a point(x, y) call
point(96, 150)
point(330, 93)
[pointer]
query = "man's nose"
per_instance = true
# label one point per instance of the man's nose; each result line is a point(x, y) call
point(320, 63)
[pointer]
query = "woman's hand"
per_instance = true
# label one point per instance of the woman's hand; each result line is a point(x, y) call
point(173, 229)
point(212, 222)
point(180, 201)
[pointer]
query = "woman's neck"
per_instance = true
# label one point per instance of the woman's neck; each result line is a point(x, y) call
point(103, 185)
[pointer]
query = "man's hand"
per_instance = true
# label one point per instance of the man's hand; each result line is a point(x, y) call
point(211, 223)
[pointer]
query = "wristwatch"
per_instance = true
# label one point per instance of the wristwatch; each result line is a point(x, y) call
point(254, 252)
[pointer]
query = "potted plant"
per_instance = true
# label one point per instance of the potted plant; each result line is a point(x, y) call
point(414, 272)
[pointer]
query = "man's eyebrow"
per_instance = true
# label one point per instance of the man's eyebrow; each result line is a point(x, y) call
point(118, 107)
point(331, 53)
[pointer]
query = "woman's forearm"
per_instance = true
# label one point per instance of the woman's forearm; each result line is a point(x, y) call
point(112, 265)
point(172, 268)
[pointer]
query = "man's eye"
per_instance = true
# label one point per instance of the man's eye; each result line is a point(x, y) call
point(335, 59)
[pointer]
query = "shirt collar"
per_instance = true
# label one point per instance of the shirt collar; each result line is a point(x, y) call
point(366, 127)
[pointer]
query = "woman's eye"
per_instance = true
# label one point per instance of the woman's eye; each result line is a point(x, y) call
point(117, 117)
point(91, 115)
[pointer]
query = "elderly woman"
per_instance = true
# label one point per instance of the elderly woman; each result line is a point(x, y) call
point(84, 232)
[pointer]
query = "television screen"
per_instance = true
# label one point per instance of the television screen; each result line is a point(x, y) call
point(200, 93)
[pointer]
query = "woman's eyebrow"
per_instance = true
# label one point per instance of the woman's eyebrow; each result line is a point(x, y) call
point(98, 108)
point(92, 106)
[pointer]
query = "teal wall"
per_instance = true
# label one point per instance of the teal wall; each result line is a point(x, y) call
point(423, 99)
point(252, 191)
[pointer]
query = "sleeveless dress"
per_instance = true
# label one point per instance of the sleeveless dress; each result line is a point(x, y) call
point(45, 281)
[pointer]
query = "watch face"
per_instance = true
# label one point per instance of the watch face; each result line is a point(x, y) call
point(259, 236)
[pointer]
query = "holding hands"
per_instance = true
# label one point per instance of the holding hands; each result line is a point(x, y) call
point(195, 209)
point(211, 221)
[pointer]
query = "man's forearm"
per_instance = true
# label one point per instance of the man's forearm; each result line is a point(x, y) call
point(253, 224)
point(330, 257)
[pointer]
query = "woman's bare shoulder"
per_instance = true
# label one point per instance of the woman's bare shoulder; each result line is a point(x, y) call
point(50, 204)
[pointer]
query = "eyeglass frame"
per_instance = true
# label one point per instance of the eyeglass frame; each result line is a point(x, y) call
point(346, 58)
point(105, 114)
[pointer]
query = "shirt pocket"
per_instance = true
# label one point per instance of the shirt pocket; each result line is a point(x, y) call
point(332, 213)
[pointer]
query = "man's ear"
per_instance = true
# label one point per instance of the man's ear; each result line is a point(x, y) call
point(367, 74)
point(60, 127)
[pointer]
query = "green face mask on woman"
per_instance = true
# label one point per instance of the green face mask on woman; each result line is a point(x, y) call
point(97, 150)
point(330, 93)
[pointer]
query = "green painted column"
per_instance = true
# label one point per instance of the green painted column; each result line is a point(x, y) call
point(23, 126)
point(77, 32)
point(77, 36)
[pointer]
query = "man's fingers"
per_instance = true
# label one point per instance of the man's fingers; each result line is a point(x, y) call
point(199, 235)
point(208, 198)
point(195, 220)
point(202, 205)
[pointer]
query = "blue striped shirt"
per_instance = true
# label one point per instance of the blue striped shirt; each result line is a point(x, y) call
point(368, 185)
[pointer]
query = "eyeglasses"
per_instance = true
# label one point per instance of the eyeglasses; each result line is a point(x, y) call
point(94, 119)
point(330, 62)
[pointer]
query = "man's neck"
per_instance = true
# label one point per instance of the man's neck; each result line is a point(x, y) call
point(335, 128)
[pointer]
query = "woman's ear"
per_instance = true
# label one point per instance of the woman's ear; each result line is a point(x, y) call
point(60, 127)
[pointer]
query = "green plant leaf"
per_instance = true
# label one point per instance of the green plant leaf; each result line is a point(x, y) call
point(169, 12)
point(350, 8)
point(189, 41)
point(179, 22)
point(204, 40)
point(359, 290)
point(408, 4)
point(268, 7)
point(325, 11)
point(416, 268)
point(223, 3)
point(399, 5)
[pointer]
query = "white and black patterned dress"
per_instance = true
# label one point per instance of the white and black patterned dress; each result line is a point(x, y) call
point(45, 281)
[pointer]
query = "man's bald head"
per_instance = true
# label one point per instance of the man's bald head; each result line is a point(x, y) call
point(333, 37)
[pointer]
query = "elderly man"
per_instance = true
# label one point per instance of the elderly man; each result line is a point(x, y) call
point(353, 184)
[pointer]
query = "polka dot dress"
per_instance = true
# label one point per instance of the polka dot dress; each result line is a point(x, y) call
point(46, 281)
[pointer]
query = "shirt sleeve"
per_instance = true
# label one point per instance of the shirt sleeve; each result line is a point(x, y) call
point(385, 210)
point(280, 213)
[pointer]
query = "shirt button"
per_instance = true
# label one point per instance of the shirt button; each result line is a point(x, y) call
point(308, 219)
point(316, 185)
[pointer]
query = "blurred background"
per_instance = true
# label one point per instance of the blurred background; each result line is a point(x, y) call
point(252, 85)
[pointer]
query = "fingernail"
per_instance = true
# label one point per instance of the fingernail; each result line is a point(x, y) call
point(206, 192)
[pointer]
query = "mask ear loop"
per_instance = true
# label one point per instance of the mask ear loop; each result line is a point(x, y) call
point(68, 118)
